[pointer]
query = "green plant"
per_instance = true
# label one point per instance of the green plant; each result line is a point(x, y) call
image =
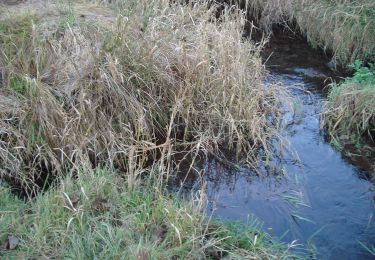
point(349, 112)
point(94, 214)
point(363, 75)
point(19, 85)
point(68, 19)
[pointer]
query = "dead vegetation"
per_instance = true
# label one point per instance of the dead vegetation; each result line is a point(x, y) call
point(96, 94)
point(344, 27)
point(163, 78)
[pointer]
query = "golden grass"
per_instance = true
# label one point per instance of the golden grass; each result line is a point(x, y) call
point(163, 78)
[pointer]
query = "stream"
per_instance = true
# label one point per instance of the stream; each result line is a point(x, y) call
point(318, 197)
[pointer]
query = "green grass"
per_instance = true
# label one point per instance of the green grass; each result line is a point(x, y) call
point(98, 215)
point(349, 112)
point(18, 85)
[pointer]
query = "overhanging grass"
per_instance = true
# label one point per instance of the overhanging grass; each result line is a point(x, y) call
point(125, 91)
point(349, 112)
point(345, 27)
point(159, 79)
point(99, 215)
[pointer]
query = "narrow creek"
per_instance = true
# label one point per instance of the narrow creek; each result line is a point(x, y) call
point(320, 198)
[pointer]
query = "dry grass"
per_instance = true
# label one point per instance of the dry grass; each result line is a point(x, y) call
point(162, 78)
point(84, 88)
point(345, 27)
point(349, 112)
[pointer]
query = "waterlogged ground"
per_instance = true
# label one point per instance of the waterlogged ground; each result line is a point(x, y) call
point(318, 197)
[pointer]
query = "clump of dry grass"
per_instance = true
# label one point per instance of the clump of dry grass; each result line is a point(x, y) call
point(349, 112)
point(345, 27)
point(163, 78)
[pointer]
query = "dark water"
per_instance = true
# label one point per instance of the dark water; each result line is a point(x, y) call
point(318, 197)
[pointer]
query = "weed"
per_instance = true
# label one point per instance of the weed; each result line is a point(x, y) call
point(165, 78)
point(68, 18)
point(18, 85)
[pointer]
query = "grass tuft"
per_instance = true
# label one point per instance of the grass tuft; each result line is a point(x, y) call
point(162, 79)
point(349, 112)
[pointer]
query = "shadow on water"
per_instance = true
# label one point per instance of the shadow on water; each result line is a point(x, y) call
point(319, 198)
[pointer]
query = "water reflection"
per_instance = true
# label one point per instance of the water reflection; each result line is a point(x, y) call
point(319, 197)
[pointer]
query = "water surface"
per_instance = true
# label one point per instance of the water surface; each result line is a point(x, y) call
point(317, 197)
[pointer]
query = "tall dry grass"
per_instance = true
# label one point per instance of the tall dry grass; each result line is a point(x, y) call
point(163, 78)
point(344, 27)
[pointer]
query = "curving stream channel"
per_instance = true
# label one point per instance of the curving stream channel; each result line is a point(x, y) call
point(319, 198)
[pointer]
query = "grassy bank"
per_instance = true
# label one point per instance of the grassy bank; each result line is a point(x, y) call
point(127, 86)
point(100, 215)
point(345, 28)
point(349, 112)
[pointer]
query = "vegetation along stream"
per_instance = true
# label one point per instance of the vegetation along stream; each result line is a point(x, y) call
point(319, 198)
point(104, 104)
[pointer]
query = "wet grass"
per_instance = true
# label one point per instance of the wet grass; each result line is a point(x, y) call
point(99, 215)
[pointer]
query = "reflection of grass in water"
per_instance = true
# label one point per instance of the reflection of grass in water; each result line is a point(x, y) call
point(370, 248)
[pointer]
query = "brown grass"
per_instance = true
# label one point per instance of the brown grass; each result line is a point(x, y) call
point(162, 78)
point(344, 27)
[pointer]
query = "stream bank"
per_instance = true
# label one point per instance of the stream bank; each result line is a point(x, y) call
point(319, 197)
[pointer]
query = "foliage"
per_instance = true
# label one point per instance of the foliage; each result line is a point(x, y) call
point(345, 27)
